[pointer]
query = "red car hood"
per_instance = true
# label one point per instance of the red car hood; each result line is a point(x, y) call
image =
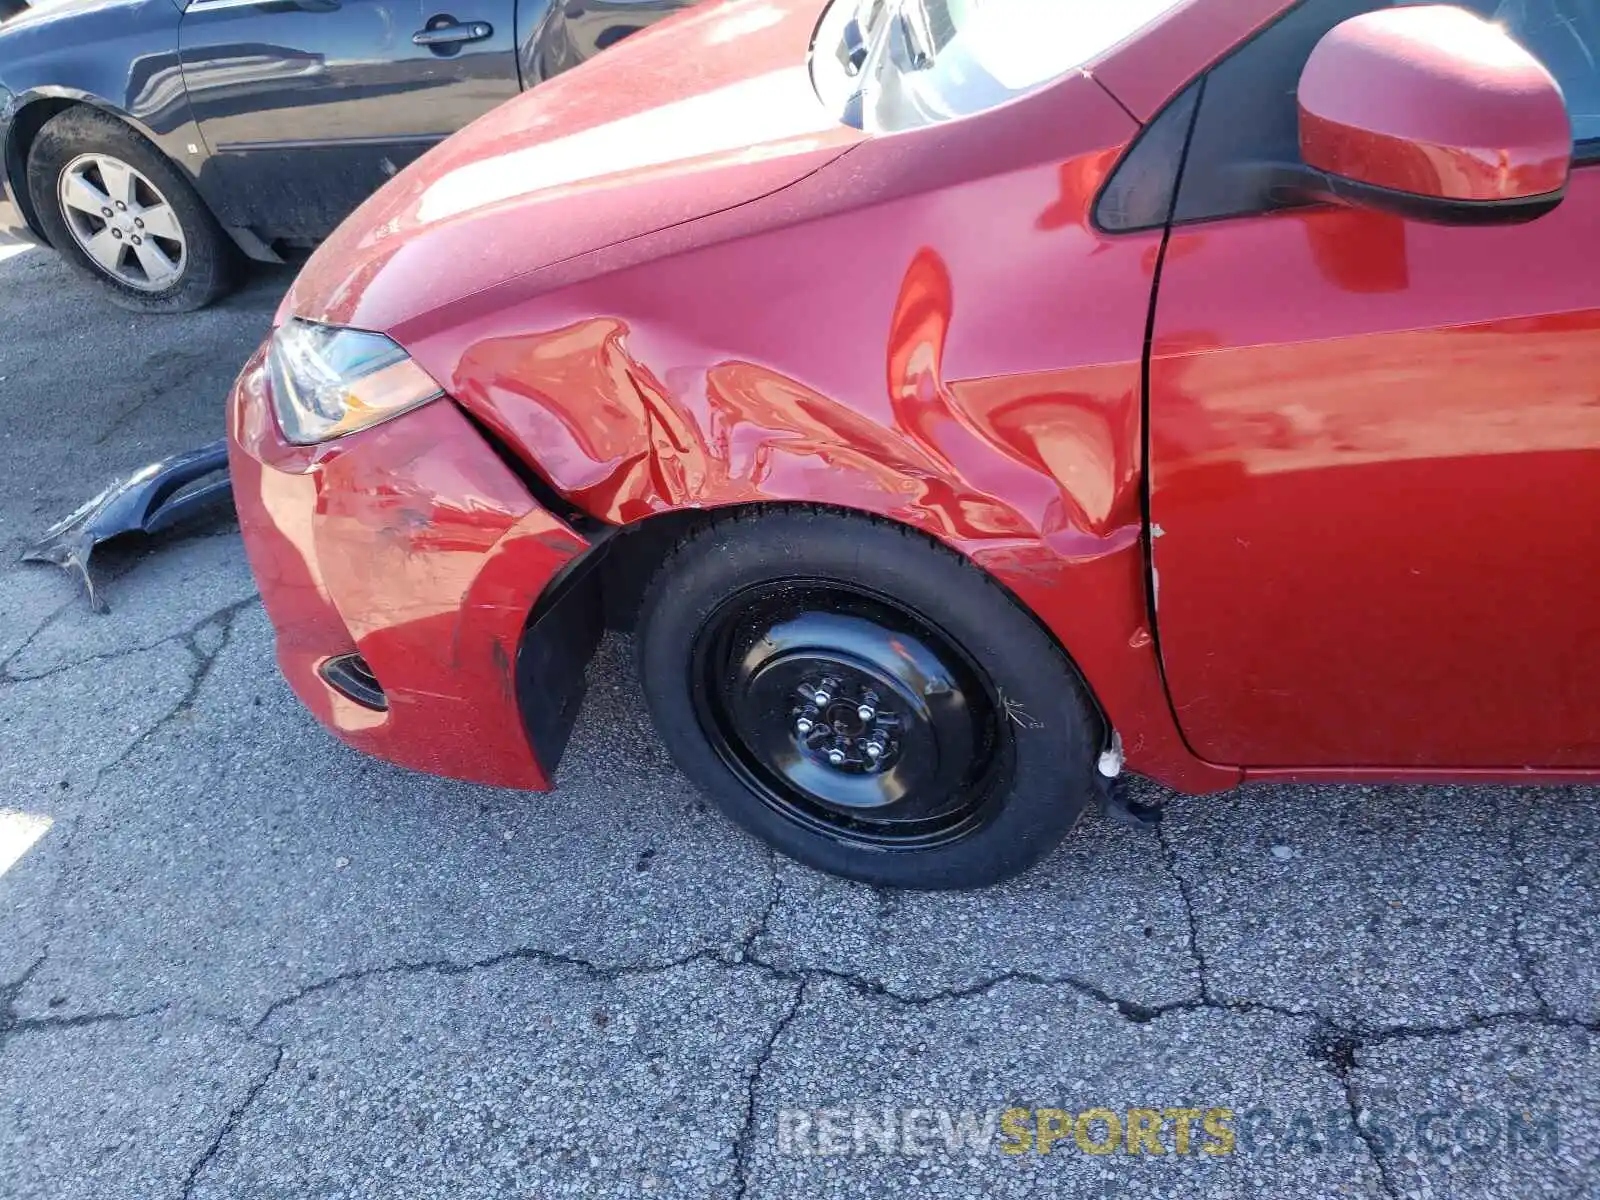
point(709, 110)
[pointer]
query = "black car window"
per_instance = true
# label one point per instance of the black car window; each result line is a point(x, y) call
point(1140, 191)
point(1248, 117)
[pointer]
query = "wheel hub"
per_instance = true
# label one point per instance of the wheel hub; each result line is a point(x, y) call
point(842, 721)
point(849, 715)
point(122, 222)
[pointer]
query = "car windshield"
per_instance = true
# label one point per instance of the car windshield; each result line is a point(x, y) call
point(899, 64)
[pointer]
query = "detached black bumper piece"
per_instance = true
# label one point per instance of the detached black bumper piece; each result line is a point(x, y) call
point(150, 500)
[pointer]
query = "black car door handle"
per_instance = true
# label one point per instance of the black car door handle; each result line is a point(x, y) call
point(444, 35)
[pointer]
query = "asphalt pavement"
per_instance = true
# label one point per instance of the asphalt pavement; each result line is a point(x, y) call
point(240, 960)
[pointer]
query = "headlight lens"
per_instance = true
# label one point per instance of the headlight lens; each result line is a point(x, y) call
point(328, 381)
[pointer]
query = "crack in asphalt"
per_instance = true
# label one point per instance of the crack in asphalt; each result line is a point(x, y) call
point(11, 1024)
point(9, 994)
point(1367, 1036)
point(186, 636)
point(148, 396)
point(1131, 1010)
point(448, 967)
point(50, 619)
point(1169, 856)
point(1522, 887)
point(110, 575)
point(752, 1086)
point(1330, 1043)
point(230, 1122)
point(1338, 1055)
point(758, 928)
point(92, 659)
point(1334, 1043)
point(1335, 1047)
point(79, 1020)
point(203, 663)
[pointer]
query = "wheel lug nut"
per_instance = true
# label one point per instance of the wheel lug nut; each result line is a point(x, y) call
point(121, 207)
point(804, 725)
point(820, 697)
point(105, 212)
point(874, 751)
point(138, 222)
point(117, 233)
point(136, 240)
point(836, 757)
point(866, 712)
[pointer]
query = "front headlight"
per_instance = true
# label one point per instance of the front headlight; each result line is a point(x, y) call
point(327, 381)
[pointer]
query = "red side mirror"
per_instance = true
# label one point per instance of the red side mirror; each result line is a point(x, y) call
point(1434, 113)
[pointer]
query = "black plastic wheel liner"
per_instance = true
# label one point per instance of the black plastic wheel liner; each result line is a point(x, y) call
point(553, 660)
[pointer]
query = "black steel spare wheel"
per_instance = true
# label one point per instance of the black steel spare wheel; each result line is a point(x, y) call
point(850, 715)
point(864, 700)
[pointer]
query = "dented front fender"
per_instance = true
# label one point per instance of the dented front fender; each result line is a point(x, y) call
point(886, 359)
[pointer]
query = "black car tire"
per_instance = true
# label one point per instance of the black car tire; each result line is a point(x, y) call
point(1041, 725)
point(210, 259)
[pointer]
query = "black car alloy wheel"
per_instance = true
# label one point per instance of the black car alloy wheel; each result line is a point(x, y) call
point(850, 715)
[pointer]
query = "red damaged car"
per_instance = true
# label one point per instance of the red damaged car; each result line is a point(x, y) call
point(958, 396)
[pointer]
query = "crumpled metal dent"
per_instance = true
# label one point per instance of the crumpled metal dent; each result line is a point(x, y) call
point(1048, 456)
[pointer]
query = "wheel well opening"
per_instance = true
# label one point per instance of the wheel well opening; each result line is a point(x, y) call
point(637, 551)
point(25, 128)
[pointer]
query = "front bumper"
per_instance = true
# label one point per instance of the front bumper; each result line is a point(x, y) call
point(414, 546)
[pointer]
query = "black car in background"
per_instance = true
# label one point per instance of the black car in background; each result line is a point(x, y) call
point(152, 142)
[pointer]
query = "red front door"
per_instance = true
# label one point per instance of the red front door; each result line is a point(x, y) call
point(1375, 478)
